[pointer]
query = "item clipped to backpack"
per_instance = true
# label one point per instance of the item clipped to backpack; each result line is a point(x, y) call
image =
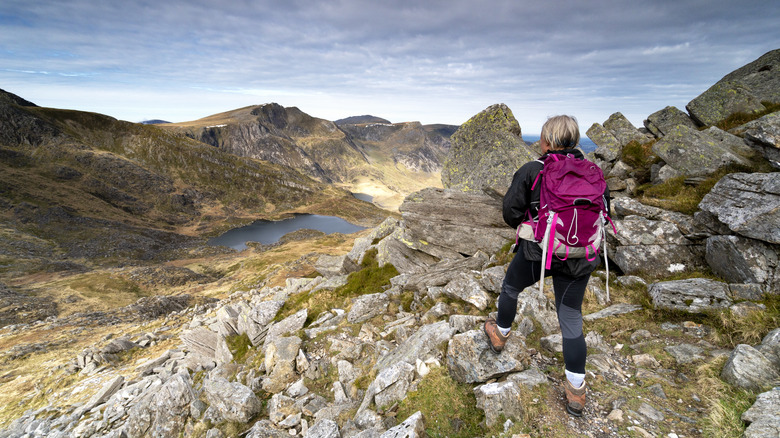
point(572, 212)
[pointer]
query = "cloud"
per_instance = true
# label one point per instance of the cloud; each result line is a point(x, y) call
point(434, 61)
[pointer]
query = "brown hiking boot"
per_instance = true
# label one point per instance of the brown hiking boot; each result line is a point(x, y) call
point(575, 398)
point(495, 339)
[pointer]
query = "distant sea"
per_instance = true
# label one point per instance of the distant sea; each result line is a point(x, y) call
point(585, 143)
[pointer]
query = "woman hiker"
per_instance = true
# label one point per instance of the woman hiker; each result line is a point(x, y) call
point(560, 135)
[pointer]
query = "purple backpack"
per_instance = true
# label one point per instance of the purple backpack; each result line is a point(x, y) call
point(572, 210)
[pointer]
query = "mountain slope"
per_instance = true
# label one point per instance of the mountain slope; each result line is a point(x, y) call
point(285, 136)
point(96, 187)
point(386, 161)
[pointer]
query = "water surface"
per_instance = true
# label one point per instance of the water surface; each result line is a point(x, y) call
point(267, 232)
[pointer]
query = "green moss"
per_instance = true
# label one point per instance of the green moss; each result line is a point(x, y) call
point(458, 417)
point(641, 158)
point(674, 194)
point(239, 345)
point(738, 119)
point(371, 278)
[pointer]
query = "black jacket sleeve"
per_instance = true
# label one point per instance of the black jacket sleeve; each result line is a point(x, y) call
point(519, 198)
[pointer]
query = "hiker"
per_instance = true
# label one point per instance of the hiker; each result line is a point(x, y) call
point(560, 135)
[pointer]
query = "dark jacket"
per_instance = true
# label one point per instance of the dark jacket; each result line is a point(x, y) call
point(521, 204)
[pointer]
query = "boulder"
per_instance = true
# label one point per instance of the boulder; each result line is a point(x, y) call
point(201, 341)
point(467, 288)
point(227, 321)
point(485, 152)
point(529, 378)
point(412, 427)
point(623, 130)
point(655, 248)
point(537, 306)
point(368, 306)
point(363, 244)
point(264, 429)
point(162, 411)
point(626, 206)
point(289, 325)
point(685, 353)
point(280, 407)
point(608, 147)
point(390, 385)
point(324, 429)
point(663, 121)
point(470, 359)
point(234, 401)
point(730, 142)
point(254, 321)
point(445, 271)
point(500, 401)
point(696, 153)
point(613, 310)
point(761, 77)
point(280, 363)
point(748, 368)
point(722, 100)
point(330, 265)
point(741, 260)
point(422, 344)
point(398, 250)
point(451, 224)
point(764, 134)
point(770, 347)
point(693, 295)
point(763, 418)
point(493, 278)
point(748, 203)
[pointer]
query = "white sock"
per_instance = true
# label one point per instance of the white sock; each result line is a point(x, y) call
point(504, 331)
point(575, 379)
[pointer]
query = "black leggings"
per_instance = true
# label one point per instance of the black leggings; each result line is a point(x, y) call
point(569, 292)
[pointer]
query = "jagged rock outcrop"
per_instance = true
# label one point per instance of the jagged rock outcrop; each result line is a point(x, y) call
point(486, 152)
point(722, 100)
point(696, 153)
point(742, 90)
point(661, 122)
point(745, 261)
point(449, 223)
point(763, 418)
point(655, 247)
point(764, 135)
point(749, 204)
point(748, 368)
point(694, 295)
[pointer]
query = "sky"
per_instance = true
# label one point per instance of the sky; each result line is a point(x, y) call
point(435, 61)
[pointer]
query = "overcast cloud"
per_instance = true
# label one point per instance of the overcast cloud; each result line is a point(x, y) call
point(431, 61)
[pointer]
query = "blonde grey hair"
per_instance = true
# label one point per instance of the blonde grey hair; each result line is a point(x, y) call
point(561, 132)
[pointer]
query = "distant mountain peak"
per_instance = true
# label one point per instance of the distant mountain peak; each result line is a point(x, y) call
point(154, 122)
point(359, 120)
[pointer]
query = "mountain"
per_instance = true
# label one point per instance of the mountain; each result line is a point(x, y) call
point(386, 161)
point(286, 136)
point(358, 120)
point(83, 191)
point(154, 122)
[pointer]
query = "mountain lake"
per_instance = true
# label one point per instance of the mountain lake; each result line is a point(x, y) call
point(267, 232)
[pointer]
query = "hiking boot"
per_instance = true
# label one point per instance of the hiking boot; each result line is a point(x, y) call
point(495, 339)
point(575, 398)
